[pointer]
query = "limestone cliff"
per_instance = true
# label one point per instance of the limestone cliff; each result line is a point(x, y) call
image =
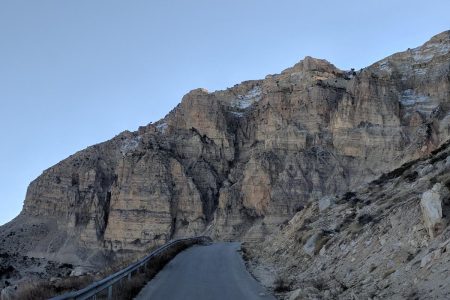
point(237, 163)
point(387, 239)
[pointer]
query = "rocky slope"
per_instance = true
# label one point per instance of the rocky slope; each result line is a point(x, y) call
point(389, 239)
point(238, 163)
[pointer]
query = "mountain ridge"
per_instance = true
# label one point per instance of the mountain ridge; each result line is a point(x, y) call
point(240, 162)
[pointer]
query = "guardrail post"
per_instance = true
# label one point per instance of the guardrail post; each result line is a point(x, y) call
point(129, 276)
point(110, 292)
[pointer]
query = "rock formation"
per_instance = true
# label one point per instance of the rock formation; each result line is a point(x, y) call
point(431, 205)
point(238, 163)
point(374, 243)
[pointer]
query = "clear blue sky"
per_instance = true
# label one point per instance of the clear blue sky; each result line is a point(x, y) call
point(75, 73)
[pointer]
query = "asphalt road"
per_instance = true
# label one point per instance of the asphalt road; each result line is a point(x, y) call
point(215, 271)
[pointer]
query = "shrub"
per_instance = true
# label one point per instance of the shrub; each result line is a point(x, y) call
point(281, 285)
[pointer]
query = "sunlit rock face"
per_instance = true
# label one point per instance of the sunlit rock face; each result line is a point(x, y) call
point(237, 163)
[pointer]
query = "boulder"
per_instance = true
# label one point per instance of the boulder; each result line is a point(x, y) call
point(314, 243)
point(426, 260)
point(431, 206)
point(326, 202)
point(78, 271)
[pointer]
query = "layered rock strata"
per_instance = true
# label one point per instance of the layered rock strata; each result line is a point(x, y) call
point(238, 163)
point(388, 239)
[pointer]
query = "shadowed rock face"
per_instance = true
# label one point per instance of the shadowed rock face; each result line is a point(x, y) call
point(236, 163)
point(387, 239)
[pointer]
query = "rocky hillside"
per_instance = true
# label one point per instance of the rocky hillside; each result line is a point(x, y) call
point(389, 239)
point(238, 163)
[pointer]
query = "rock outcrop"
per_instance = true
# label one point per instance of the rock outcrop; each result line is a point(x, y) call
point(374, 243)
point(238, 163)
point(431, 205)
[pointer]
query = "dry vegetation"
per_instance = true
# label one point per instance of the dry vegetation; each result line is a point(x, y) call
point(44, 289)
point(125, 289)
point(281, 285)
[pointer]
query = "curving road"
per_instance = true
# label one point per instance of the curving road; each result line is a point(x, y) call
point(216, 271)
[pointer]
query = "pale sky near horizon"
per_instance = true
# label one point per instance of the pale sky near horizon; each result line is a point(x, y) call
point(75, 73)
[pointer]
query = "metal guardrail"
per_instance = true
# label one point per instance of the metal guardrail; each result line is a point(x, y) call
point(91, 291)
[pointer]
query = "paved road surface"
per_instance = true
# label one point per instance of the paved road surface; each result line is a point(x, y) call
point(209, 272)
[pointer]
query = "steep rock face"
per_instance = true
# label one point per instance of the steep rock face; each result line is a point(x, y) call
point(374, 242)
point(239, 162)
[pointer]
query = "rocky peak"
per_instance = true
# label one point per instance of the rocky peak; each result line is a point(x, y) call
point(441, 38)
point(242, 161)
point(414, 61)
point(436, 47)
point(195, 93)
point(311, 64)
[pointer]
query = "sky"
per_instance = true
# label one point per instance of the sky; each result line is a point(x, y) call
point(76, 73)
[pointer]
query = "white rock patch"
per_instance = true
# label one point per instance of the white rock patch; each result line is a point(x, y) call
point(245, 101)
point(129, 145)
point(431, 205)
point(421, 103)
point(427, 53)
point(326, 202)
point(385, 65)
point(162, 127)
point(237, 113)
point(410, 98)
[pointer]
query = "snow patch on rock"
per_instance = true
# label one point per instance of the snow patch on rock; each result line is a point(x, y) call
point(162, 127)
point(129, 145)
point(245, 101)
point(385, 65)
point(429, 51)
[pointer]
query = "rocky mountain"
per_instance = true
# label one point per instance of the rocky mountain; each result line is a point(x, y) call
point(388, 239)
point(238, 163)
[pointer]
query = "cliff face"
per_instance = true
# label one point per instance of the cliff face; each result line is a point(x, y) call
point(388, 239)
point(239, 162)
